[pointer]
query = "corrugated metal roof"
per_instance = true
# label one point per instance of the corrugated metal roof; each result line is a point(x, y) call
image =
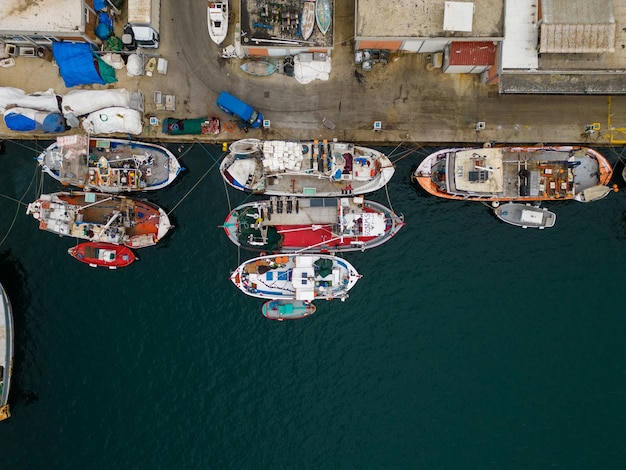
point(577, 26)
point(472, 53)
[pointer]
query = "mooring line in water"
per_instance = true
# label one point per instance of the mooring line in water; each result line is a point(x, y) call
point(193, 187)
point(225, 187)
point(17, 207)
point(407, 153)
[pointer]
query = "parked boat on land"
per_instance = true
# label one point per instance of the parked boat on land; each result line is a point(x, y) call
point(315, 168)
point(109, 165)
point(307, 23)
point(217, 17)
point(296, 277)
point(525, 215)
point(103, 254)
point(323, 15)
point(313, 225)
point(98, 217)
point(287, 309)
point(515, 174)
point(258, 68)
point(6, 353)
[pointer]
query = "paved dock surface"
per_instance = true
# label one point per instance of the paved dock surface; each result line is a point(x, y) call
point(413, 104)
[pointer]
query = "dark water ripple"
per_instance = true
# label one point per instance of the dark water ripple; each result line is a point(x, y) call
point(467, 344)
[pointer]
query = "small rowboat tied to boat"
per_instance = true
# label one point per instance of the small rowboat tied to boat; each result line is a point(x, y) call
point(296, 277)
point(287, 309)
point(313, 225)
point(314, 168)
point(98, 217)
point(217, 18)
point(109, 165)
point(525, 215)
point(103, 254)
point(6, 353)
point(507, 174)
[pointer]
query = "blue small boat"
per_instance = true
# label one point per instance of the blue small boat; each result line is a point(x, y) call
point(323, 16)
point(287, 309)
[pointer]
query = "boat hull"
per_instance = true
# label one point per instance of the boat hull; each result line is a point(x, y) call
point(109, 165)
point(311, 225)
point(217, 19)
point(507, 174)
point(287, 309)
point(525, 215)
point(296, 277)
point(323, 15)
point(317, 168)
point(308, 19)
point(97, 217)
point(6, 353)
point(97, 254)
point(258, 68)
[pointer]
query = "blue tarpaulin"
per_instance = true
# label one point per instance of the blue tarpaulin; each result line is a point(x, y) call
point(76, 63)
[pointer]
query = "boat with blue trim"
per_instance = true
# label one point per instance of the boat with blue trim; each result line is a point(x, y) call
point(296, 277)
point(287, 309)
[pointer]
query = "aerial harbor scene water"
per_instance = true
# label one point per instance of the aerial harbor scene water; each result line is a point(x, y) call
point(301, 234)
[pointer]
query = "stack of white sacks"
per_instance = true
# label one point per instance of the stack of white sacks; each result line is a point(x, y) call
point(279, 155)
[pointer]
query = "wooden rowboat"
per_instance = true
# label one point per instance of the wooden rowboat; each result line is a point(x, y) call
point(308, 19)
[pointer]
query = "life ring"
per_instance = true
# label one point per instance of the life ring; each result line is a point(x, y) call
point(229, 126)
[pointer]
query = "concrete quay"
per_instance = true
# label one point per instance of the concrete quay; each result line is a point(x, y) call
point(415, 105)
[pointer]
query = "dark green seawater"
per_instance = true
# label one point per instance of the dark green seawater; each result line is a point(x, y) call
point(468, 343)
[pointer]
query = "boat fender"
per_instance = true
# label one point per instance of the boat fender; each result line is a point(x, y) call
point(495, 204)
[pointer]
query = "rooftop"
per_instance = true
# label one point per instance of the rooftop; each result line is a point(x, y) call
point(425, 19)
point(48, 15)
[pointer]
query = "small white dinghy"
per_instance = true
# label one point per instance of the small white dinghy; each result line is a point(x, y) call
point(525, 215)
point(217, 15)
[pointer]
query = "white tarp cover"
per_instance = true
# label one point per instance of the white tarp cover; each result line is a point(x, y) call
point(81, 102)
point(134, 65)
point(41, 100)
point(307, 71)
point(112, 120)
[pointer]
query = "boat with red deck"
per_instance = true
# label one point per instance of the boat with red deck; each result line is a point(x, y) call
point(103, 254)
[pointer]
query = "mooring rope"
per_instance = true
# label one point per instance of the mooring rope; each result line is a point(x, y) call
point(18, 206)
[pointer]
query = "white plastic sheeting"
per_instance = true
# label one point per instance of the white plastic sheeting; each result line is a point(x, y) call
point(81, 102)
point(307, 71)
point(41, 100)
point(113, 120)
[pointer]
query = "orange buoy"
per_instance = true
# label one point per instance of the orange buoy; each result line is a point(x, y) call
point(615, 188)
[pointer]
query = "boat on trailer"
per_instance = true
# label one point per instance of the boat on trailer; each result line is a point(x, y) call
point(507, 174)
point(296, 277)
point(217, 18)
point(102, 254)
point(109, 165)
point(525, 215)
point(97, 217)
point(312, 225)
point(287, 309)
point(314, 168)
point(6, 353)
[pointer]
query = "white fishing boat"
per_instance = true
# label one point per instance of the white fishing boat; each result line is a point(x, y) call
point(297, 277)
point(323, 15)
point(311, 225)
point(314, 168)
point(98, 217)
point(525, 215)
point(109, 165)
point(307, 23)
point(217, 17)
point(6, 353)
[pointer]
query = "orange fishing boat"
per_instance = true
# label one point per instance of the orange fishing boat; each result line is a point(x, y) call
point(506, 174)
point(98, 217)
